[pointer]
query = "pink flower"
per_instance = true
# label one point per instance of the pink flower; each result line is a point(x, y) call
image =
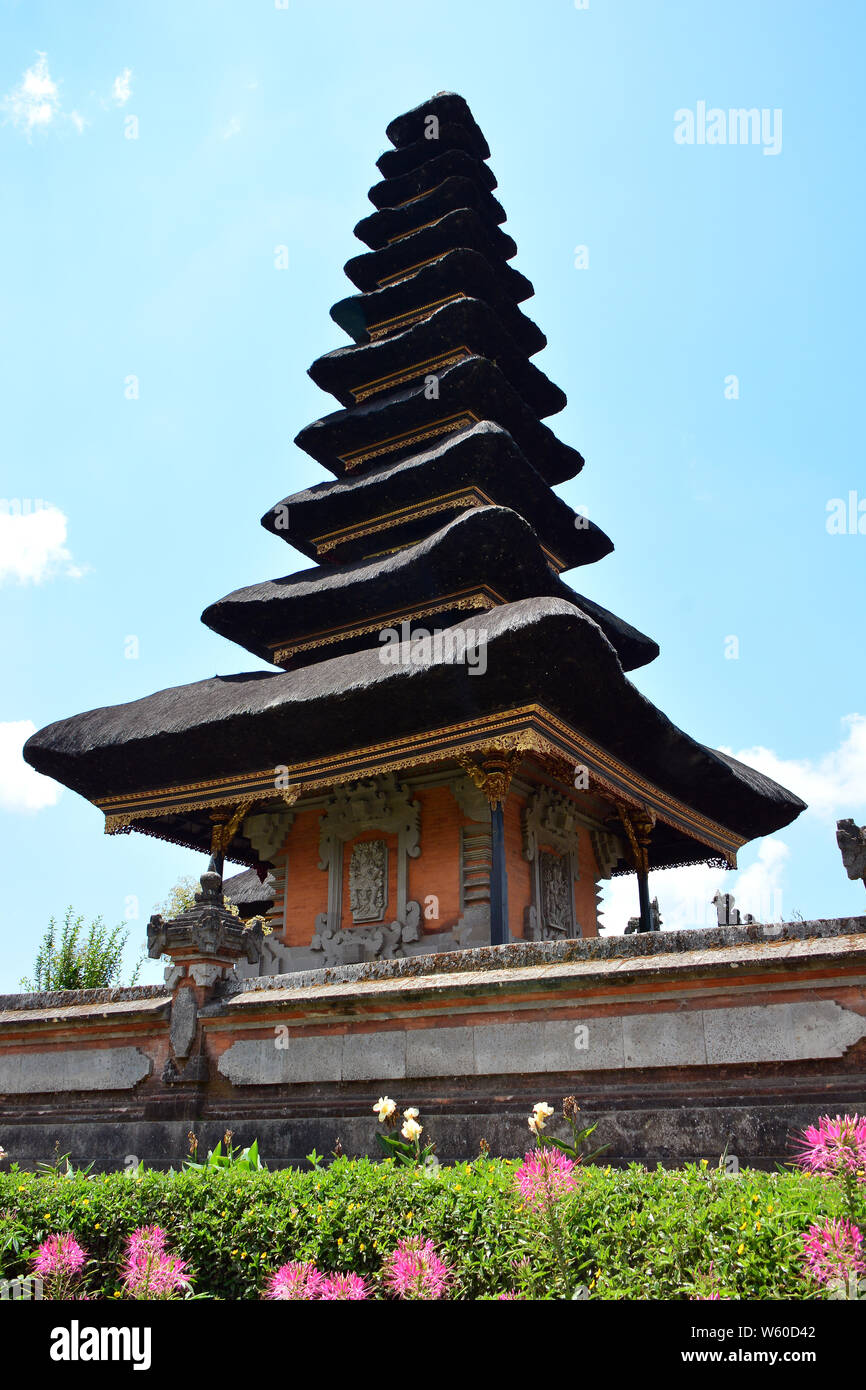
point(414, 1270)
point(545, 1175)
point(502, 1297)
point(148, 1271)
point(836, 1148)
point(59, 1256)
point(343, 1286)
point(834, 1251)
point(294, 1281)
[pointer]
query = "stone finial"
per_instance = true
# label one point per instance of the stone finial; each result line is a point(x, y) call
point(851, 840)
point(207, 933)
point(634, 922)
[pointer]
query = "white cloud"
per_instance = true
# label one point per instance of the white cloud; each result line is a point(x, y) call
point(833, 785)
point(78, 121)
point(233, 128)
point(33, 546)
point(35, 102)
point(122, 88)
point(22, 789)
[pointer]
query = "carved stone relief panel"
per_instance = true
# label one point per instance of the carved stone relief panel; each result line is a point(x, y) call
point(550, 820)
point(376, 803)
point(368, 880)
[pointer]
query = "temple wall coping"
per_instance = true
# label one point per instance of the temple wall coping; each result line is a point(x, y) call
point(704, 945)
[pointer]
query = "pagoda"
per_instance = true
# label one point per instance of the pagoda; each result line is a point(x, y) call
point(448, 753)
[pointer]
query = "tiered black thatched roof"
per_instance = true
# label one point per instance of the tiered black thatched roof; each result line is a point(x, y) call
point(442, 507)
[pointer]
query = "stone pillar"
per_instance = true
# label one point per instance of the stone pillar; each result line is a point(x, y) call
point(203, 943)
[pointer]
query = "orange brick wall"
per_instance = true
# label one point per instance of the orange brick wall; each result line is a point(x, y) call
point(435, 873)
point(519, 869)
point(306, 883)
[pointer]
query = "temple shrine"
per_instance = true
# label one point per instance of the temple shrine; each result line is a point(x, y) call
point(448, 752)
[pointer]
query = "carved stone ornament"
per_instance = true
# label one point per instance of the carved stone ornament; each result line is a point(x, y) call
point(368, 880)
point(376, 803)
point(206, 932)
point(267, 831)
point(609, 850)
point(851, 840)
point(550, 820)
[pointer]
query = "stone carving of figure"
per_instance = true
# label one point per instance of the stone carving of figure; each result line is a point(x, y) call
point(555, 886)
point(368, 880)
point(851, 840)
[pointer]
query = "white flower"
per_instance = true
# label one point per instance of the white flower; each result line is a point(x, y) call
point(411, 1130)
point(411, 1113)
point(384, 1108)
point(540, 1113)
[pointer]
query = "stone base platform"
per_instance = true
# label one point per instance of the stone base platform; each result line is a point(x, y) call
point(682, 1045)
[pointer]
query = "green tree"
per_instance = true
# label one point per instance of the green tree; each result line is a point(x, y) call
point(72, 957)
point(180, 898)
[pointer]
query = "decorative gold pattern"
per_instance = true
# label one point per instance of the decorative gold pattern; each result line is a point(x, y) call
point(386, 383)
point(401, 236)
point(410, 316)
point(407, 202)
point(469, 602)
point(408, 270)
point(638, 824)
point(449, 425)
point(527, 729)
point(446, 502)
point(494, 775)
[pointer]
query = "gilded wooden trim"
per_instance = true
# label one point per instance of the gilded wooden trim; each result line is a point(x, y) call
point(384, 383)
point(409, 269)
point(480, 600)
point(530, 729)
point(449, 425)
point(445, 502)
point(409, 316)
point(401, 236)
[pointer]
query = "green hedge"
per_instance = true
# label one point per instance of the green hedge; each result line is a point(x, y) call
point(630, 1233)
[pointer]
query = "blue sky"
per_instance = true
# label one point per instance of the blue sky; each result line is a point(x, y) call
point(257, 127)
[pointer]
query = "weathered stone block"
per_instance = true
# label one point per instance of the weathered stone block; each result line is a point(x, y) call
point(86, 1069)
point(439, 1052)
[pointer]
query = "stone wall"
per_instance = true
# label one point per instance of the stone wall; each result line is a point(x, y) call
point(681, 1044)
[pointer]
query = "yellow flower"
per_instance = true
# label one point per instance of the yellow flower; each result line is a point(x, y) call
point(457, 1187)
point(234, 1252)
point(542, 1108)
point(362, 1246)
point(21, 1188)
point(770, 1209)
point(243, 1254)
point(117, 1294)
point(409, 1215)
point(744, 1225)
point(339, 1240)
point(740, 1248)
point(757, 1225)
point(97, 1227)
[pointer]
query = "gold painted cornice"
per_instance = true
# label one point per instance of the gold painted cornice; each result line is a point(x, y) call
point(530, 729)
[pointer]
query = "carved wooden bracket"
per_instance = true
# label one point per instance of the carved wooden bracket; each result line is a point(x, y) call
point(638, 823)
point(494, 775)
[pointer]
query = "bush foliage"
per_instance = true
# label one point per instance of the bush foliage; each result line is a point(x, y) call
point(628, 1234)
